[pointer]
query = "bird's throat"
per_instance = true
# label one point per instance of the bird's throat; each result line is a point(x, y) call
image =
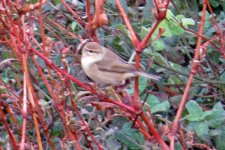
point(87, 63)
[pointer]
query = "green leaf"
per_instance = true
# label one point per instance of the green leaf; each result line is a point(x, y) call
point(156, 106)
point(158, 45)
point(5, 77)
point(142, 83)
point(57, 130)
point(202, 131)
point(124, 4)
point(143, 31)
point(4, 55)
point(172, 24)
point(112, 143)
point(170, 28)
point(178, 146)
point(222, 77)
point(219, 138)
point(57, 59)
point(45, 104)
point(215, 56)
point(152, 101)
point(56, 2)
point(111, 3)
point(187, 21)
point(195, 111)
point(223, 5)
point(162, 107)
point(131, 137)
point(191, 126)
point(217, 116)
point(156, 57)
point(214, 3)
point(146, 11)
point(73, 26)
point(122, 28)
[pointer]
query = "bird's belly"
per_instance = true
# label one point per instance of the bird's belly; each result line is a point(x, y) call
point(113, 78)
point(99, 76)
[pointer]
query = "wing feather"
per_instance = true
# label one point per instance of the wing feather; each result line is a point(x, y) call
point(114, 63)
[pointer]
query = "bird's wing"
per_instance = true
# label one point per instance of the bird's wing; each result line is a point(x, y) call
point(114, 64)
point(117, 67)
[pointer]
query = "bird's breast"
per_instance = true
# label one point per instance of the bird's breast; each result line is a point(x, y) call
point(87, 63)
point(90, 68)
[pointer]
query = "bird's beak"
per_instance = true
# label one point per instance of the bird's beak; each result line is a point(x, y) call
point(81, 45)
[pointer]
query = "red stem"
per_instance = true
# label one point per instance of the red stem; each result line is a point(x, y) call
point(88, 10)
point(139, 48)
point(147, 37)
point(58, 107)
point(5, 123)
point(81, 22)
point(136, 100)
point(84, 124)
point(219, 32)
point(154, 132)
point(193, 70)
point(134, 37)
point(24, 110)
point(42, 27)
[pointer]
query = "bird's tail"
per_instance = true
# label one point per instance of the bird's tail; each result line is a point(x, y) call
point(149, 76)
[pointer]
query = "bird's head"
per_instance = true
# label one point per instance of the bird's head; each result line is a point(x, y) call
point(92, 50)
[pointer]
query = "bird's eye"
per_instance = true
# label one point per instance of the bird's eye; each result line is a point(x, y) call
point(91, 51)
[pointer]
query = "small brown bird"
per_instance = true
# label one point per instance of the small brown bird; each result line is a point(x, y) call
point(105, 67)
